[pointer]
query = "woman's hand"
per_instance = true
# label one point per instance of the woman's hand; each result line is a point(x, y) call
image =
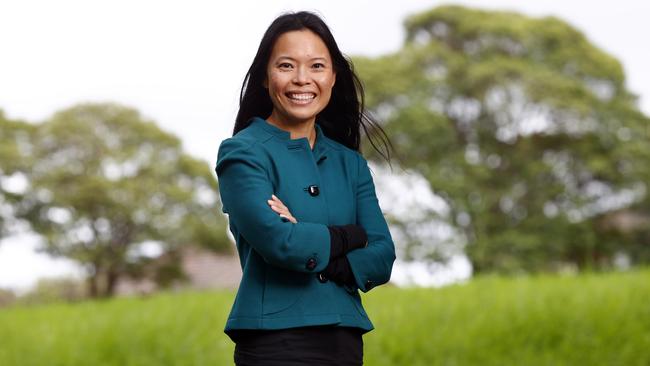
point(281, 209)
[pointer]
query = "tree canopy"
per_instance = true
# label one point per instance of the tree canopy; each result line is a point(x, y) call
point(107, 185)
point(524, 128)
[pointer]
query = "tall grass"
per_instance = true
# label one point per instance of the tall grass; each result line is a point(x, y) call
point(591, 319)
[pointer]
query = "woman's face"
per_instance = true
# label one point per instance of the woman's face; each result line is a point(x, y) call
point(300, 77)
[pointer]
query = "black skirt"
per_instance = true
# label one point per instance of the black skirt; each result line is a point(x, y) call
point(314, 346)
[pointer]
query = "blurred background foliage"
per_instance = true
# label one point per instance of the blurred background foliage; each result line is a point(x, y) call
point(106, 187)
point(525, 130)
point(15, 136)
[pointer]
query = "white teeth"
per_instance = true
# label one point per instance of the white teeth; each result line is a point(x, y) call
point(305, 96)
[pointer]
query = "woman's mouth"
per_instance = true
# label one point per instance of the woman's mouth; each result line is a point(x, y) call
point(301, 98)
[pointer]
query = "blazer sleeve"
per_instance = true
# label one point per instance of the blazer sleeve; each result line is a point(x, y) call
point(245, 187)
point(373, 264)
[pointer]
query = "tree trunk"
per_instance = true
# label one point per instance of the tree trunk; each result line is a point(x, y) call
point(93, 288)
point(111, 280)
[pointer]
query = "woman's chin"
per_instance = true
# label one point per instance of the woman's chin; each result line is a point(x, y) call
point(299, 116)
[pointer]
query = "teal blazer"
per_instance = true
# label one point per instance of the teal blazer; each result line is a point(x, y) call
point(280, 260)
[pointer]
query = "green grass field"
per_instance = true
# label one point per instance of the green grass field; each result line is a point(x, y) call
point(591, 319)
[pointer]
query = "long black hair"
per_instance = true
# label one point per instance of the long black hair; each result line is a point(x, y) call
point(343, 117)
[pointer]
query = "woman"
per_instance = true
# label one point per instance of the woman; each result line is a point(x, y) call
point(301, 203)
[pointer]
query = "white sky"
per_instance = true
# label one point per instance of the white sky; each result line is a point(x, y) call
point(181, 63)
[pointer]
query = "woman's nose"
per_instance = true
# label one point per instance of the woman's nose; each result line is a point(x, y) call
point(301, 76)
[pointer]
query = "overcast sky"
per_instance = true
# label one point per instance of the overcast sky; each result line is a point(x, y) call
point(181, 63)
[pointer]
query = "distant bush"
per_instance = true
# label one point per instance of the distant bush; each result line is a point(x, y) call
point(7, 297)
point(48, 290)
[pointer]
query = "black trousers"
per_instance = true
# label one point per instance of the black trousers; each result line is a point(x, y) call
point(313, 346)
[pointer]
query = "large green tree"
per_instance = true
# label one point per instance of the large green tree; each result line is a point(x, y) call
point(524, 128)
point(106, 183)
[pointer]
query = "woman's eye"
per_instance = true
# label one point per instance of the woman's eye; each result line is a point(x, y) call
point(318, 66)
point(284, 65)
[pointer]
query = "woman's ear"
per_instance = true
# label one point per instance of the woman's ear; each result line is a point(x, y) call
point(334, 80)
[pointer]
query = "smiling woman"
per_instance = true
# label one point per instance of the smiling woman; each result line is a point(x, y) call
point(301, 203)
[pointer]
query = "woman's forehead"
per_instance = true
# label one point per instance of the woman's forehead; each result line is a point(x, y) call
point(300, 45)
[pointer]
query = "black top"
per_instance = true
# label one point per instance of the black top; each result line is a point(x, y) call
point(313, 346)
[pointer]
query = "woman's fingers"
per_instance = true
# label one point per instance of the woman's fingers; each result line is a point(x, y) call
point(277, 200)
point(277, 208)
point(290, 218)
point(280, 208)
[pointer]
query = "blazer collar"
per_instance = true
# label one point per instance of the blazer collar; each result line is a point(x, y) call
point(321, 145)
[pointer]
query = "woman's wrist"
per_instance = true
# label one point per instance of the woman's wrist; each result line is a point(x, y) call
point(346, 238)
point(339, 271)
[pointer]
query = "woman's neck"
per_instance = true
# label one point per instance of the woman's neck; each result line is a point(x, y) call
point(300, 130)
